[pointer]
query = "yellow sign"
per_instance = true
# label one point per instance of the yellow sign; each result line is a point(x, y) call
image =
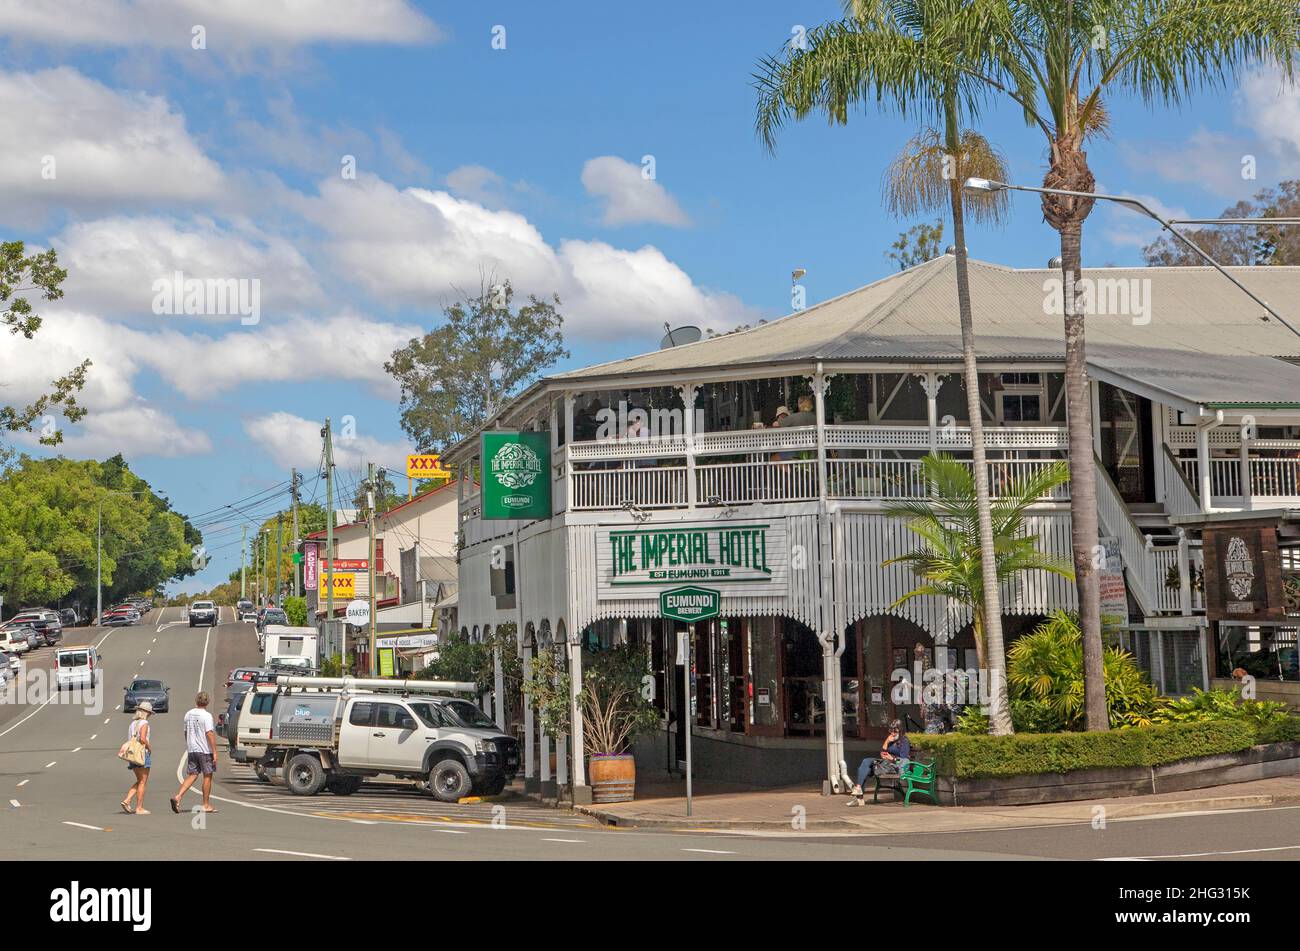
point(426, 466)
point(345, 586)
point(386, 665)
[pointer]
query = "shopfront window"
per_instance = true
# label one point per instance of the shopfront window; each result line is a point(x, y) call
point(1265, 652)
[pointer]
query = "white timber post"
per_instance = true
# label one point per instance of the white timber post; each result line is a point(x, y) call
point(689, 391)
point(575, 720)
point(930, 383)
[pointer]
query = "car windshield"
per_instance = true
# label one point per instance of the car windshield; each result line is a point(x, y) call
point(77, 659)
point(430, 714)
point(147, 685)
point(203, 604)
point(467, 714)
point(303, 662)
point(276, 616)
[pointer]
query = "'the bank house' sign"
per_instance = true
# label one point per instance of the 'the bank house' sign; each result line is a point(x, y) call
point(741, 558)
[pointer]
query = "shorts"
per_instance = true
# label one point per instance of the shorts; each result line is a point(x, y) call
point(148, 761)
point(199, 763)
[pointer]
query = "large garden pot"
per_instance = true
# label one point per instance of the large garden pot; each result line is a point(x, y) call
point(613, 778)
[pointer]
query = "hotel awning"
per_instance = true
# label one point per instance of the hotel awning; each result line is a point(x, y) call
point(1191, 381)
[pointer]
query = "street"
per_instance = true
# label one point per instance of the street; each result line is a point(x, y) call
point(62, 782)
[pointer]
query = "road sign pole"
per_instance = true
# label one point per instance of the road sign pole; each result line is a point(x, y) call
point(686, 716)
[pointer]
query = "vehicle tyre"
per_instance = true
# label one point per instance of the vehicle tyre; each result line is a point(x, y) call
point(304, 775)
point(494, 787)
point(344, 785)
point(260, 769)
point(449, 780)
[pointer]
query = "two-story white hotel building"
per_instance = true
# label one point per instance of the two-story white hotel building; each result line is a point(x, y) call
point(1196, 408)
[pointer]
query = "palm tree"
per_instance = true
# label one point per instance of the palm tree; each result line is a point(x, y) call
point(898, 54)
point(1056, 59)
point(949, 562)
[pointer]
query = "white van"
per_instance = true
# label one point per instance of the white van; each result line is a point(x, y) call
point(77, 667)
point(13, 645)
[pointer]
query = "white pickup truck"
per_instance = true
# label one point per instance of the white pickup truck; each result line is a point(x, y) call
point(334, 740)
point(290, 647)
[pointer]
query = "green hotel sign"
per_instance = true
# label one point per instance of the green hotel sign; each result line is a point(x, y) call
point(690, 604)
point(516, 476)
point(716, 553)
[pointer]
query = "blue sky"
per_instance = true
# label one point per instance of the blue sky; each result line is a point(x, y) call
point(225, 162)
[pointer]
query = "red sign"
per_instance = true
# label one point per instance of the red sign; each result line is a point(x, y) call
point(346, 564)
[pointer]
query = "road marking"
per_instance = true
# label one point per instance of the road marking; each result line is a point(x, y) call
point(48, 765)
point(48, 700)
point(154, 641)
point(82, 825)
point(23, 783)
point(141, 663)
point(710, 851)
point(92, 737)
point(15, 803)
point(109, 719)
point(575, 841)
point(451, 831)
point(149, 651)
point(306, 855)
point(77, 750)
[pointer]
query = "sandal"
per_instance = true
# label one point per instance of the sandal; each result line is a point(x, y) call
point(126, 808)
point(175, 806)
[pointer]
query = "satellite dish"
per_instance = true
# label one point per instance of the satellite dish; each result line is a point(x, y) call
point(675, 337)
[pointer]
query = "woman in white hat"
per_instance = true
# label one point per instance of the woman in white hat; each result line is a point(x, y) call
point(139, 730)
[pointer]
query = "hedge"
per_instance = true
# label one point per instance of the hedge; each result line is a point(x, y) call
point(970, 756)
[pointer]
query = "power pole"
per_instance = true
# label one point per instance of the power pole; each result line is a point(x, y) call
point(370, 508)
point(279, 547)
point(329, 542)
point(243, 561)
point(293, 491)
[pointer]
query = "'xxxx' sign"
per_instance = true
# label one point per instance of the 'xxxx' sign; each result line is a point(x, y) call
point(345, 586)
point(426, 466)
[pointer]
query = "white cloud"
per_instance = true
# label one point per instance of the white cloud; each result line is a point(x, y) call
point(72, 141)
point(1126, 227)
point(290, 440)
point(630, 197)
point(231, 24)
point(112, 263)
point(1272, 109)
point(417, 246)
point(135, 430)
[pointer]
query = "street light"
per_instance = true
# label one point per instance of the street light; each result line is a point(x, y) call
point(988, 185)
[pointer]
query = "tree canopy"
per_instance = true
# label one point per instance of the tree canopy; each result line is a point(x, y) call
point(1227, 244)
point(456, 376)
point(48, 521)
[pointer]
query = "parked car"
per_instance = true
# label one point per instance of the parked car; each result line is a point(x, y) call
point(24, 631)
point(77, 667)
point(326, 740)
point(13, 640)
point(45, 622)
point(242, 675)
point(248, 616)
point(203, 612)
point(243, 604)
point(12, 661)
point(270, 616)
point(120, 617)
point(69, 617)
point(248, 726)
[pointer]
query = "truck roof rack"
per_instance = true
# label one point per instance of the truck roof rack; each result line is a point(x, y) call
point(376, 685)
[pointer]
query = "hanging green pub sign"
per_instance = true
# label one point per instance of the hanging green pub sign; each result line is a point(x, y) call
point(690, 604)
point(516, 475)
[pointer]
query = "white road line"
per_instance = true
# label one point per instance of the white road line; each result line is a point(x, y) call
point(47, 701)
point(109, 719)
point(710, 851)
point(92, 737)
point(306, 855)
point(15, 803)
point(48, 765)
point(23, 783)
point(149, 651)
point(82, 825)
point(575, 841)
point(77, 750)
point(451, 831)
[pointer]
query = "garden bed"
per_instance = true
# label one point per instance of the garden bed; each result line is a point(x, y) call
point(1060, 767)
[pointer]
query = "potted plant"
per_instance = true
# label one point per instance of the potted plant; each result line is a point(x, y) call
point(615, 708)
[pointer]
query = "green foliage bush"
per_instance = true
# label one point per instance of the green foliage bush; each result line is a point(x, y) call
point(1218, 705)
point(968, 756)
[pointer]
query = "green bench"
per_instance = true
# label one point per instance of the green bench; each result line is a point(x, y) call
point(913, 779)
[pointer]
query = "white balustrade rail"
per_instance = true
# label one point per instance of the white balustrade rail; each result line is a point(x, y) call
point(1179, 498)
point(730, 483)
point(644, 487)
point(946, 438)
point(905, 478)
point(1269, 478)
point(1139, 566)
point(778, 439)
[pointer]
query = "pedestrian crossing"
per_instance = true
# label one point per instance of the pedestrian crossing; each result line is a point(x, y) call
point(393, 800)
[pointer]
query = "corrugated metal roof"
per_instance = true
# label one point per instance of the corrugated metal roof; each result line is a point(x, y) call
point(913, 315)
